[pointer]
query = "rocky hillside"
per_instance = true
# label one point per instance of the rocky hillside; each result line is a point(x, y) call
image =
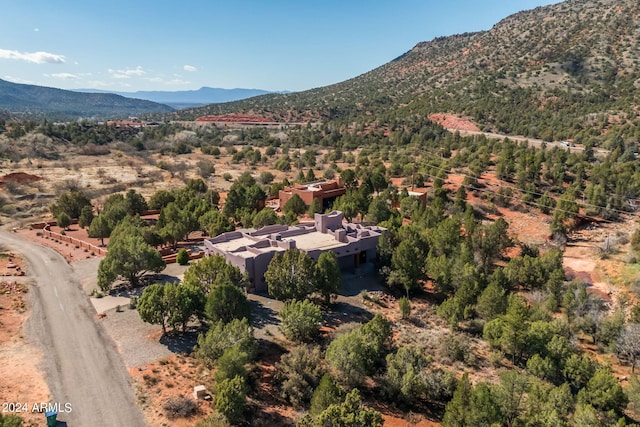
point(44, 101)
point(561, 71)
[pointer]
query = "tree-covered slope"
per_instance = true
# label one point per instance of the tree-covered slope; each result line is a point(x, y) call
point(561, 71)
point(38, 101)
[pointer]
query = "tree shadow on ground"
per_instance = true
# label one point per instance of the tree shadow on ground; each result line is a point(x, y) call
point(343, 312)
point(266, 389)
point(261, 417)
point(261, 315)
point(269, 352)
point(126, 290)
point(150, 279)
point(180, 342)
point(363, 278)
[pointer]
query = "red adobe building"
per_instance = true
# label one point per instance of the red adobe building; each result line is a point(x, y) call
point(325, 191)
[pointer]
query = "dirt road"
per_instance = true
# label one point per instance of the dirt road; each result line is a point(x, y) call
point(82, 366)
point(538, 143)
point(532, 141)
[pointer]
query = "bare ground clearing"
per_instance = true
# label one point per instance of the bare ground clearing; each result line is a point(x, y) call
point(119, 171)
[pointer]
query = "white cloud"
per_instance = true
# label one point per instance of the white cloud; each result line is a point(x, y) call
point(65, 76)
point(190, 68)
point(35, 57)
point(177, 82)
point(18, 80)
point(128, 73)
point(36, 29)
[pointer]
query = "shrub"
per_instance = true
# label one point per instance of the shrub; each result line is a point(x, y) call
point(301, 320)
point(404, 379)
point(405, 307)
point(455, 347)
point(182, 257)
point(222, 336)
point(10, 420)
point(180, 407)
point(440, 385)
point(299, 373)
point(231, 399)
point(231, 364)
point(214, 420)
point(149, 380)
point(206, 168)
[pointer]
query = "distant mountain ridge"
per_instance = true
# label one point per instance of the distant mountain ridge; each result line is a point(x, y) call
point(38, 101)
point(188, 98)
point(567, 70)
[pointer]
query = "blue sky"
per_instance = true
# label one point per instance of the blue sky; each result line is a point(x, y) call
point(266, 44)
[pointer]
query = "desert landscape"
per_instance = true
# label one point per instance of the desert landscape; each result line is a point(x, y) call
point(447, 238)
point(163, 369)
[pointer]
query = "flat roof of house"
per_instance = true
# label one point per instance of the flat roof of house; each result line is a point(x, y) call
point(234, 244)
point(316, 241)
point(314, 186)
point(275, 238)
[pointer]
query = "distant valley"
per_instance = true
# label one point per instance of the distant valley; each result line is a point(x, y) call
point(189, 98)
point(37, 102)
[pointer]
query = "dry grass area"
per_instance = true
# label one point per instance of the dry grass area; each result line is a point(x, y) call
point(612, 275)
point(168, 378)
point(39, 182)
point(20, 379)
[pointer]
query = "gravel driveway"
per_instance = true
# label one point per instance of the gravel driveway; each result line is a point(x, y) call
point(81, 363)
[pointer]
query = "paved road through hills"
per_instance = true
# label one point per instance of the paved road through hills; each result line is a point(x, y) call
point(81, 363)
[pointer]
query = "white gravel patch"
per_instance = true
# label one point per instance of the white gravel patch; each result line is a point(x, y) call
point(108, 302)
point(138, 342)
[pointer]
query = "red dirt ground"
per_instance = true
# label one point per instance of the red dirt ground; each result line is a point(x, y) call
point(19, 178)
point(20, 380)
point(170, 377)
point(67, 250)
point(450, 121)
point(527, 227)
point(235, 118)
point(414, 420)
